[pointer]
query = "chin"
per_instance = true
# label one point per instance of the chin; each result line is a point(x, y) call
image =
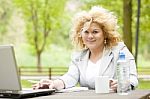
point(91, 47)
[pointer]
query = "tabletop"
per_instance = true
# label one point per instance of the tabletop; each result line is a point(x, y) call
point(90, 94)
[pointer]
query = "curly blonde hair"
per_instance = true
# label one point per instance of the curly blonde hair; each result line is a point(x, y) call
point(106, 20)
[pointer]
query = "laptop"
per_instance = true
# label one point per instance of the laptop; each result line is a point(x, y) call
point(10, 84)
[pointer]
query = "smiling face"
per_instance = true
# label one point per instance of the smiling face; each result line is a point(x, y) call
point(93, 37)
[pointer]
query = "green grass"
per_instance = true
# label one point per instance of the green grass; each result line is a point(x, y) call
point(143, 84)
point(143, 61)
point(26, 84)
point(143, 70)
point(53, 56)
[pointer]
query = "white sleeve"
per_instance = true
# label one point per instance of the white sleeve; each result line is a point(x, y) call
point(133, 73)
point(72, 76)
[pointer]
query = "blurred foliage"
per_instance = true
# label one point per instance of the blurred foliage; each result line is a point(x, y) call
point(41, 17)
point(61, 13)
point(55, 55)
point(46, 16)
point(144, 36)
point(5, 15)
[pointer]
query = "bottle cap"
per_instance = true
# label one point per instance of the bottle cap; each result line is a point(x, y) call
point(121, 55)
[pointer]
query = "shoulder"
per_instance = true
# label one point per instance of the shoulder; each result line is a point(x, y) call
point(116, 49)
point(123, 47)
point(119, 46)
point(78, 55)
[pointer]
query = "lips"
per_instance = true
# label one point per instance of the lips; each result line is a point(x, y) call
point(90, 40)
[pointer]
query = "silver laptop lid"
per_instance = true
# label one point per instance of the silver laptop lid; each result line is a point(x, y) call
point(9, 78)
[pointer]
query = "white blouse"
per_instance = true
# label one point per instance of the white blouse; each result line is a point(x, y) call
point(92, 71)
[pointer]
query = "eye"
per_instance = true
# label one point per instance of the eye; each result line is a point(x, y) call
point(95, 32)
point(86, 32)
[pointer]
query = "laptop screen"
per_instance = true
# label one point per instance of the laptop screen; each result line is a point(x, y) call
point(9, 79)
point(10, 85)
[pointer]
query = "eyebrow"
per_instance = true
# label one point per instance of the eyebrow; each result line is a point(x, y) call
point(92, 30)
point(96, 29)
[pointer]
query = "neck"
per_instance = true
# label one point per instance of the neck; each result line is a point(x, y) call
point(96, 54)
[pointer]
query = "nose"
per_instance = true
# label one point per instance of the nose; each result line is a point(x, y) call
point(90, 35)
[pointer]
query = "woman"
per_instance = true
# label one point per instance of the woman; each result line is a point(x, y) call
point(95, 35)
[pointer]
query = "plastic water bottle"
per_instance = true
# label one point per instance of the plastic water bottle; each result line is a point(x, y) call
point(123, 87)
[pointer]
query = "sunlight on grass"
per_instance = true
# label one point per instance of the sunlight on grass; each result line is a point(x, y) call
point(26, 84)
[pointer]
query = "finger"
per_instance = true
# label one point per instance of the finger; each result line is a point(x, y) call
point(51, 86)
point(44, 86)
point(113, 82)
point(35, 86)
point(114, 87)
point(47, 85)
point(110, 81)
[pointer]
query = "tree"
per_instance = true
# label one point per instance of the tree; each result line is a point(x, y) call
point(144, 31)
point(40, 17)
point(127, 21)
point(137, 30)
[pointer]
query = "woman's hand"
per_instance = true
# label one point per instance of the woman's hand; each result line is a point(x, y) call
point(44, 84)
point(113, 85)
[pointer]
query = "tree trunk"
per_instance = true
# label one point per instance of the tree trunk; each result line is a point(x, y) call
point(39, 61)
point(127, 23)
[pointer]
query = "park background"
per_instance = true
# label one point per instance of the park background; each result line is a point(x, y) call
point(39, 30)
